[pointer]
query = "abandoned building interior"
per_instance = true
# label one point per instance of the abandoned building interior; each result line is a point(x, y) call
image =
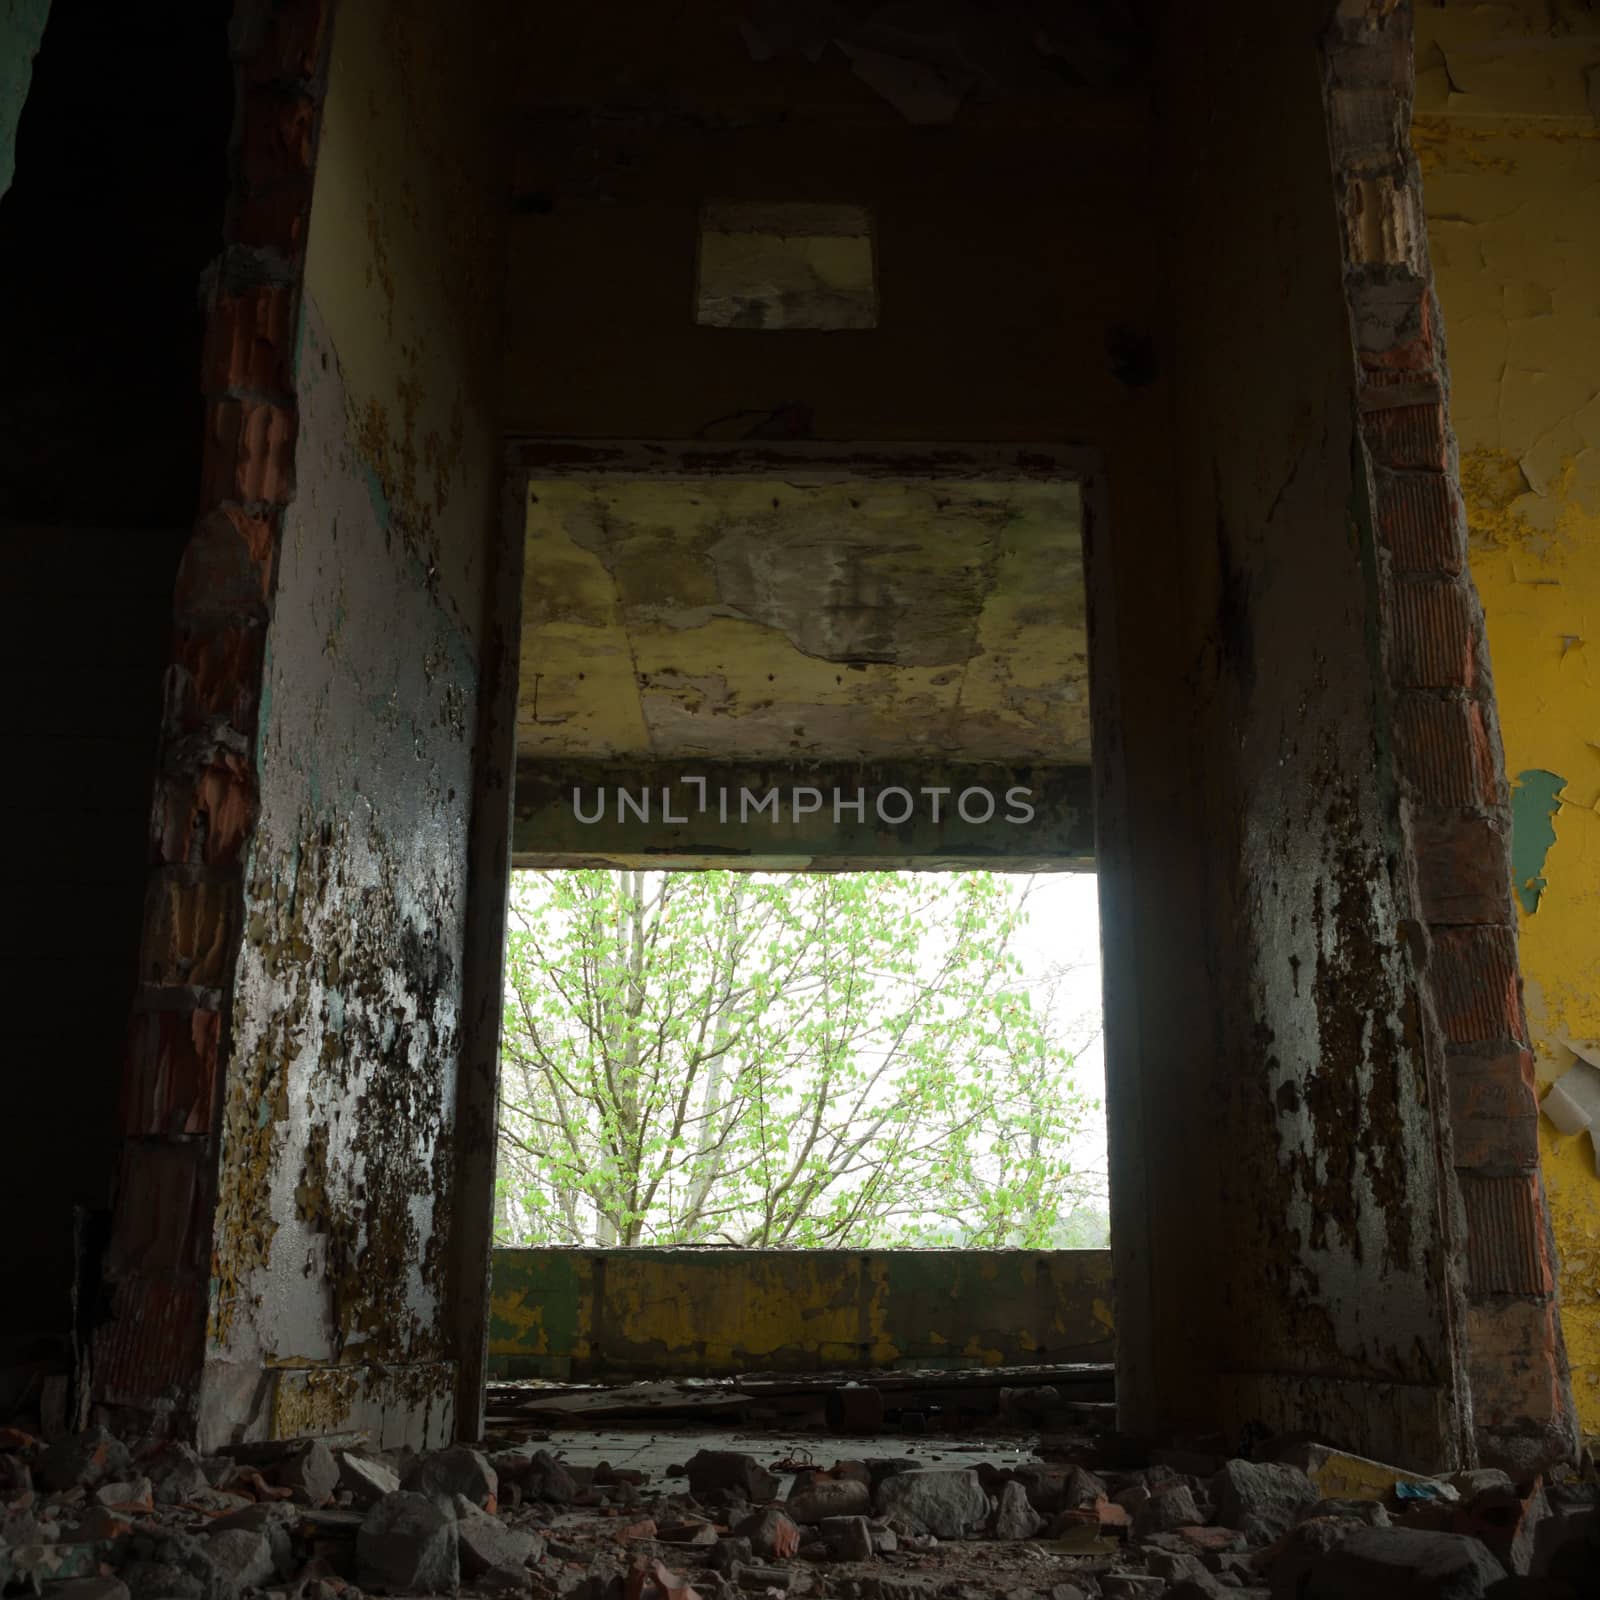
point(423, 414)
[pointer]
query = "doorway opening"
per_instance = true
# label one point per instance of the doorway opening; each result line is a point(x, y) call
point(788, 1100)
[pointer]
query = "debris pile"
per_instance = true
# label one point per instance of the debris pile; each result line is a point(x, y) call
point(89, 1516)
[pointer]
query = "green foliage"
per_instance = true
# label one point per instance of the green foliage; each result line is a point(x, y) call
point(848, 1059)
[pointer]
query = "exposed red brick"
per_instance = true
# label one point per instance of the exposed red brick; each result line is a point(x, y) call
point(225, 799)
point(1443, 750)
point(226, 569)
point(1492, 1085)
point(1493, 1111)
point(1463, 870)
point(279, 126)
point(163, 1223)
point(249, 453)
point(204, 819)
point(1419, 519)
point(1496, 1145)
point(1473, 972)
point(206, 798)
point(1513, 1364)
point(172, 1069)
point(1434, 635)
point(154, 1344)
point(216, 673)
point(248, 340)
point(188, 929)
point(1407, 436)
point(1505, 1235)
point(274, 218)
point(279, 40)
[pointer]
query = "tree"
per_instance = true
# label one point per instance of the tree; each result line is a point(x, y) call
point(776, 1060)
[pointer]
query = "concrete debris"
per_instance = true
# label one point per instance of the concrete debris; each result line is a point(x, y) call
point(1016, 1518)
point(727, 1555)
point(458, 1470)
point(821, 1497)
point(772, 1534)
point(507, 1581)
point(850, 1538)
point(487, 1542)
point(90, 1589)
point(1261, 1498)
point(1081, 1488)
point(693, 1531)
point(656, 1582)
point(131, 1496)
point(526, 1525)
point(719, 1471)
point(244, 1554)
point(408, 1545)
point(311, 1474)
point(1321, 1562)
point(365, 1478)
point(1171, 1505)
point(947, 1502)
point(177, 1474)
point(1371, 1512)
point(86, 1458)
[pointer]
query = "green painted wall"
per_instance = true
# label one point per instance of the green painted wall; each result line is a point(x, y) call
point(21, 29)
point(573, 1313)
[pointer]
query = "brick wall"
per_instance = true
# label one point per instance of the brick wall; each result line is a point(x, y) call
point(1447, 748)
point(205, 797)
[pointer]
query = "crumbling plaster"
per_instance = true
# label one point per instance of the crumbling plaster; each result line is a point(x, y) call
point(331, 1266)
point(738, 617)
point(1507, 126)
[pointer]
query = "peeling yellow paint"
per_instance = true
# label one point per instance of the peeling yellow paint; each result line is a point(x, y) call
point(320, 1403)
point(1511, 151)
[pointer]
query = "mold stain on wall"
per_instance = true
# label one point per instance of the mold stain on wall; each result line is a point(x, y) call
point(338, 1119)
point(1509, 138)
point(331, 1259)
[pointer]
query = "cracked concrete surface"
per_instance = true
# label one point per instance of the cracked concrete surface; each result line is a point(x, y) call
point(740, 617)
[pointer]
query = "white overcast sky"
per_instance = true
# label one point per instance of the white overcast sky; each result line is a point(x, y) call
point(1064, 926)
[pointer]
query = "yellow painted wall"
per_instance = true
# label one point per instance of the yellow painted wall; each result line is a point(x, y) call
point(1508, 132)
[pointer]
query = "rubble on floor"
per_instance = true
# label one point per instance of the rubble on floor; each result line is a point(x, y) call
point(906, 1396)
point(92, 1517)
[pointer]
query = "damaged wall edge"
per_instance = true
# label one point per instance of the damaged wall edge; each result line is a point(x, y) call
point(1453, 815)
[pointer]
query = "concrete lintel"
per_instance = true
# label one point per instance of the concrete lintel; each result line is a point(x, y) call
point(801, 461)
point(778, 816)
